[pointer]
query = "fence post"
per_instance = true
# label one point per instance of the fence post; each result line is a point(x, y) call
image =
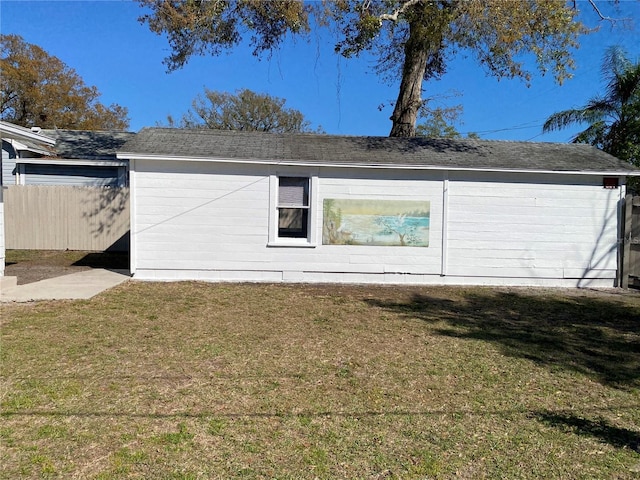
point(625, 238)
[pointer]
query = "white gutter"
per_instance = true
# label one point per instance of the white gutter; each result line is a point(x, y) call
point(16, 132)
point(133, 238)
point(445, 222)
point(81, 162)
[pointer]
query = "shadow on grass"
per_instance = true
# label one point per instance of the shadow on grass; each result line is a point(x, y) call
point(589, 335)
point(600, 429)
point(106, 260)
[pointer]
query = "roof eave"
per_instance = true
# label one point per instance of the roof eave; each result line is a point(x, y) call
point(24, 145)
point(9, 130)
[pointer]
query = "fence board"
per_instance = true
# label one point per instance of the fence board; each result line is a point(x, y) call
point(41, 217)
point(631, 247)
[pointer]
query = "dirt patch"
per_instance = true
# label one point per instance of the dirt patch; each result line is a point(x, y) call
point(35, 265)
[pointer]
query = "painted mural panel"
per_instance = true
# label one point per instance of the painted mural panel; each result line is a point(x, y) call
point(376, 222)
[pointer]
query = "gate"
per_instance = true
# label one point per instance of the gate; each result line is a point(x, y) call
point(630, 239)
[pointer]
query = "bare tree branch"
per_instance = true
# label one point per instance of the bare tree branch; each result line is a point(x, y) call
point(393, 17)
point(604, 17)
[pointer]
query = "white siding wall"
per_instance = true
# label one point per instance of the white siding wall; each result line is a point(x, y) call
point(198, 220)
point(210, 221)
point(528, 226)
point(384, 185)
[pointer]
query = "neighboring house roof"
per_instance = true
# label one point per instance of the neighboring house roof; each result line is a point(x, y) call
point(22, 139)
point(88, 145)
point(383, 152)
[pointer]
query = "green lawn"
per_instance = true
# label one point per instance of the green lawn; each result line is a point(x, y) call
point(198, 381)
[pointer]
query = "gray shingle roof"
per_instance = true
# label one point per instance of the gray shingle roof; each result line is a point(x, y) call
point(89, 145)
point(416, 152)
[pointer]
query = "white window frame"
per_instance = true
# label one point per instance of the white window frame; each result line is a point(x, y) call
point(312, 231)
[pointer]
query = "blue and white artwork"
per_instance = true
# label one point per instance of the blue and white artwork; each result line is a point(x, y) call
point(376, 222)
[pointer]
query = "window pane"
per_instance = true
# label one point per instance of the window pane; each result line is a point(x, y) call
point(292, 222)
point(293, 191)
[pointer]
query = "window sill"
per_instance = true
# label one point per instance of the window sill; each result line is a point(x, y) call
point(289, 244)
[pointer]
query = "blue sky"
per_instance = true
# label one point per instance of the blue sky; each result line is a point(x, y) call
point(104, 42)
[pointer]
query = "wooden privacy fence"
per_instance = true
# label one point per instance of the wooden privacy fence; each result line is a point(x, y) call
point(66, 218)
point(630, 239)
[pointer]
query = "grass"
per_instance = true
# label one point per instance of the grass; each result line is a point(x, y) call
point(195, 381)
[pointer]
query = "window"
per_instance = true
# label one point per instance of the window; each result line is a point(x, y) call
point(293, 207)
point(292, 212)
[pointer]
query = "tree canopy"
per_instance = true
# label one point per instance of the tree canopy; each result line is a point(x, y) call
point(613, 118)
point(38, 89)
point(437, 126)
point(246, 110)
point(414, 39)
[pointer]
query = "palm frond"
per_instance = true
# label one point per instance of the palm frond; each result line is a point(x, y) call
point(595, 134)
point(628, 85)
point(599, 108)
point(613, 119)
point(566, 118)
point(614, 63)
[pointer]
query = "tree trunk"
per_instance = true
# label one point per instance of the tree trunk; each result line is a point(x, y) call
point(423, 59)
point(416, 55)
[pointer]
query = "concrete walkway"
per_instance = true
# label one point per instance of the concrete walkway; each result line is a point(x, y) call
point(81, 285)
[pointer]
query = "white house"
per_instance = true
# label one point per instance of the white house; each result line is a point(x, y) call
point(239, 206)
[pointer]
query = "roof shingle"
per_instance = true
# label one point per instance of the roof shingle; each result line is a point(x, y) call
point(90, 145)
point(415, 152)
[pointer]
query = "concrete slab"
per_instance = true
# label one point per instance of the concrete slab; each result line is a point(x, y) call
point(8, 282)
point(81, 285)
